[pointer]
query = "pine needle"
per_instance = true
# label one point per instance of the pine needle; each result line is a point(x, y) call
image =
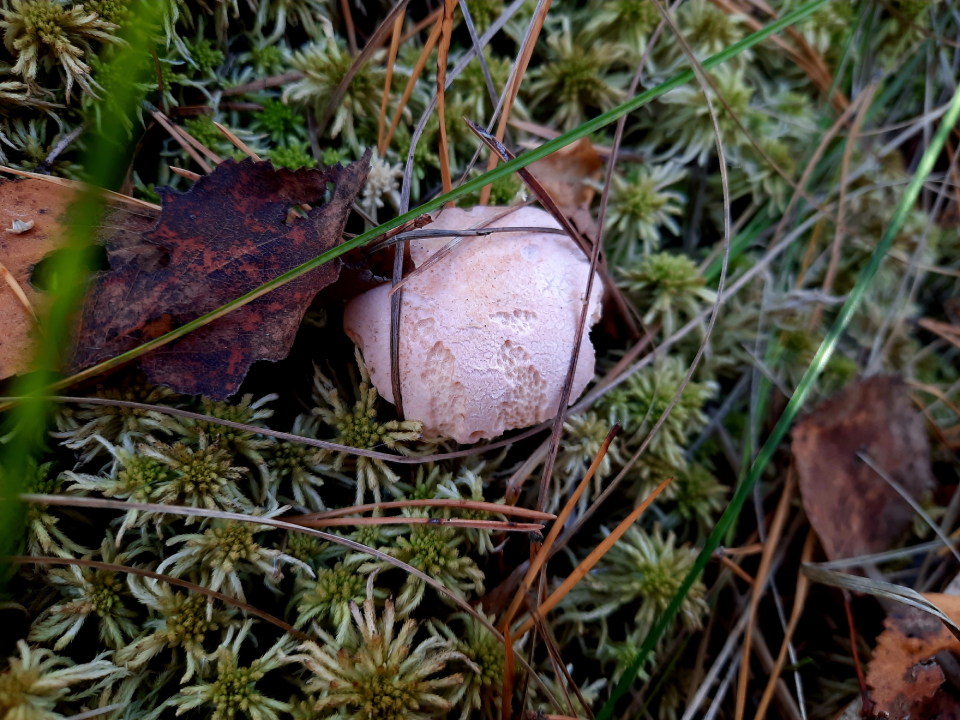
point(446, 29)
point(428, 46)
point(391, 60)
point(519, 70)
point(769, 548)
point(543, 554)
point(592, 559)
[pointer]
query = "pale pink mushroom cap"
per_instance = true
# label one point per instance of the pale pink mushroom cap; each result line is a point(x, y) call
point(486, 333)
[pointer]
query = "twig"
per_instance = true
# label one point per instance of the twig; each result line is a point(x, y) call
point(263, 83)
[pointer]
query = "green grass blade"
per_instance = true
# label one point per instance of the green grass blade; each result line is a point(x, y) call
point(796, 402)
point(468, 187)
point(106, 160)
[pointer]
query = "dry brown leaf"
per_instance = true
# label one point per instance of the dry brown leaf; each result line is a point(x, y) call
point(45, 205)
point(853, 510)
point(227, 235)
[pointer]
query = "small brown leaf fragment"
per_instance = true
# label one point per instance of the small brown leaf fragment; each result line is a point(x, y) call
point(567, 174)
point(853, 510)
point(904, 674)
point(222, 238)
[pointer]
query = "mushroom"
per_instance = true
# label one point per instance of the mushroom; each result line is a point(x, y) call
point(485, 333)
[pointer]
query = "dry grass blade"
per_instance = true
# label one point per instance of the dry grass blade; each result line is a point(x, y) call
point(841, 205)
point(18, 291)
point(263, 84)
point(446, 29)
point(946, 331)
point(290, 437)
point(714, 311)
point(182, 141)
point(592, 559)
point(421, 63)
point(449, 247)
point(736, 570)
point(108, 195)
point(351, 28)
point(478, 47)
point(769, 548)
point(472, 505)
point(476, 231)
point(237, 142)
point(560, 668)
point(539, 560)
point(812, 163)
point(800, 598)
point(910, 501)
point(513, 86)
point(110, 567)
point(493, 525)
point(497, 148)
point(376, 40)
point(867, 704)
point(388, 81)
point(594, 254)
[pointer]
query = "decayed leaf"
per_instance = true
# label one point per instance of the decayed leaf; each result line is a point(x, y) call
point(914, 655)
point(32, 215)
point(222, 238)
point(853, 510)
point(567, 174)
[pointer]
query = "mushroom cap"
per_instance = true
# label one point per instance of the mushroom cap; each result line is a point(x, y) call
point(485, 334)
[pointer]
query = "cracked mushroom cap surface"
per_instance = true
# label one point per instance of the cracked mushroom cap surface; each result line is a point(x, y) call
point(486, 333)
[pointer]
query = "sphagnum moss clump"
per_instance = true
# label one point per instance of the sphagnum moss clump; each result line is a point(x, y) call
point(268, 69)
point(359, 426)
point(377, 672)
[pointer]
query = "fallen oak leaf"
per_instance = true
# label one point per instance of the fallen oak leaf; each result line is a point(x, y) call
point(225, 236)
